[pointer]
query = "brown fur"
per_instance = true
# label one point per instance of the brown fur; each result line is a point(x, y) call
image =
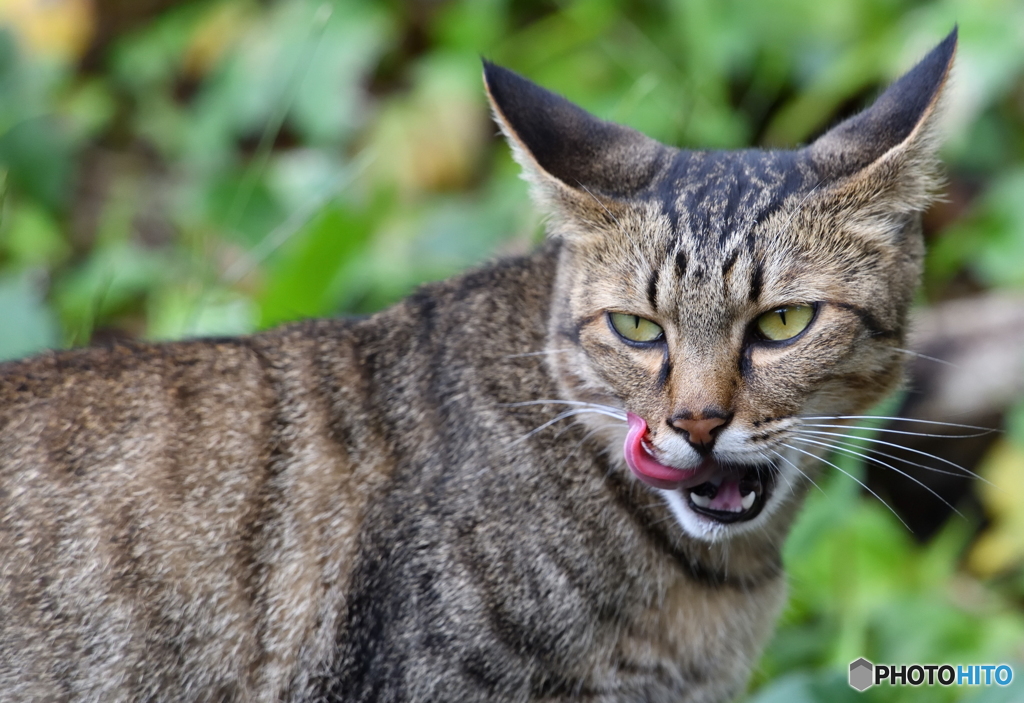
point(382, 510)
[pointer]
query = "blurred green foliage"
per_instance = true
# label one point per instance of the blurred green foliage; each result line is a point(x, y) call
point(221, 166)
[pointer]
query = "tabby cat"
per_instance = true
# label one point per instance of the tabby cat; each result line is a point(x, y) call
point(565, 476)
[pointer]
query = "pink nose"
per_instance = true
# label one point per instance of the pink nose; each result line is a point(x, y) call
point(699, 432)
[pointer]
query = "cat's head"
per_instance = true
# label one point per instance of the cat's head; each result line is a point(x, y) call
point(723, 302)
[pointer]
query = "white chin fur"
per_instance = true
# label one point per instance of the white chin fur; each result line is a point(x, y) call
point(693, 524)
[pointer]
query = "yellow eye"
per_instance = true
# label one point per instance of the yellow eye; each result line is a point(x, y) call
point(785, 322)
point(635, 328)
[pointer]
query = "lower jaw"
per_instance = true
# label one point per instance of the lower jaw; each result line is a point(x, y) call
point(725, 517)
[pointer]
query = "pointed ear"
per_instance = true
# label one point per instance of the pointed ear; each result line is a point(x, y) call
point(567, 154)
point(895, 139)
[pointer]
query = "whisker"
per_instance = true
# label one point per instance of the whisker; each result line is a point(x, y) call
point(539, 353)
point(557, 418)
point(926, 357)
point(599, 411)
point(800, 205)
point(961, 473)
point(898, 419)
point(768, 460)
point(670, 516)
point(568, 457)
point(903, 432)
point(597, 407)
point(863, 485)
point(851, 452)
point(788, 479)
point(545, 401)
point(567, 414)
point(603, 206)
point(798, 469)
point(588, 432)
point(875, 440)
point(614, 416)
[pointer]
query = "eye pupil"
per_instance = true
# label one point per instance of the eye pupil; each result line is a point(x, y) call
point(633, 328)
point(784, 323)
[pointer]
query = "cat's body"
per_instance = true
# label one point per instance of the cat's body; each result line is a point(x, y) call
point(378, 510)
point(255, 510)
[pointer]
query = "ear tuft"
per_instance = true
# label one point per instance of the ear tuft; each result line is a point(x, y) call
point(900, 117)
point(555, 139)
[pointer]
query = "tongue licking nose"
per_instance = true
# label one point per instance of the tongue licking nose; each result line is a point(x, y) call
point(644, 466)
point(724, 495)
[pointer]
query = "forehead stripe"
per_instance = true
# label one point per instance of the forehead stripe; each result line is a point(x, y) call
point(652, 289)
point(756, 281)
point(730, 262)
point(681, 264)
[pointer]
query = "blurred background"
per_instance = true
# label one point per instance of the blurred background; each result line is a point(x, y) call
point(177, 169)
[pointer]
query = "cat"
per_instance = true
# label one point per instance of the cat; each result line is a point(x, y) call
point(564, 476)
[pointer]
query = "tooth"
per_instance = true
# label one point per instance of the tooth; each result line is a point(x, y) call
point(748, 500)
point(702, 501)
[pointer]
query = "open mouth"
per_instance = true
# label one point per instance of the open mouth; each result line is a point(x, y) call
point(720, 492)
point(732, 494)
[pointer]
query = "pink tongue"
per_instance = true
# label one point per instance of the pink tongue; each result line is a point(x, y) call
point(644, 466)
point(728, 497)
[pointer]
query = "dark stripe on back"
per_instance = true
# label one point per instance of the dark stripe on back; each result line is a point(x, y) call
point(262, 519)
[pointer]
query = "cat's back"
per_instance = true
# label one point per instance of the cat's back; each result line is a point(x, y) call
point(163, 509)
point(181, 521)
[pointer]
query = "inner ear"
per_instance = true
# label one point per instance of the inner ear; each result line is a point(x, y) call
point(900, 117)
point(561, 141)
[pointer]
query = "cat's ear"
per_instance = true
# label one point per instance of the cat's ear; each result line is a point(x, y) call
point(572, 159)
point(890, 148)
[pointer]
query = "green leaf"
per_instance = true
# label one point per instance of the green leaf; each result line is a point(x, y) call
point(185, 310)
point(38, 157)
point(28, 324)
point(29, 236)
point(300, 282)
point(114, 278)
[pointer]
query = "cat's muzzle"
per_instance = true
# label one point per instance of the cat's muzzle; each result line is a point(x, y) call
point(723, 493)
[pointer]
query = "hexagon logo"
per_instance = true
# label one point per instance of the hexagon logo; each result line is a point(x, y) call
point(861, 674)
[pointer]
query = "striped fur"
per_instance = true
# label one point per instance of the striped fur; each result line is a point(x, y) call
point(381, 510)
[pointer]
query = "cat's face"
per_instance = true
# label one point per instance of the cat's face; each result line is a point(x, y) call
point(711, 305)
point(721, 332)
